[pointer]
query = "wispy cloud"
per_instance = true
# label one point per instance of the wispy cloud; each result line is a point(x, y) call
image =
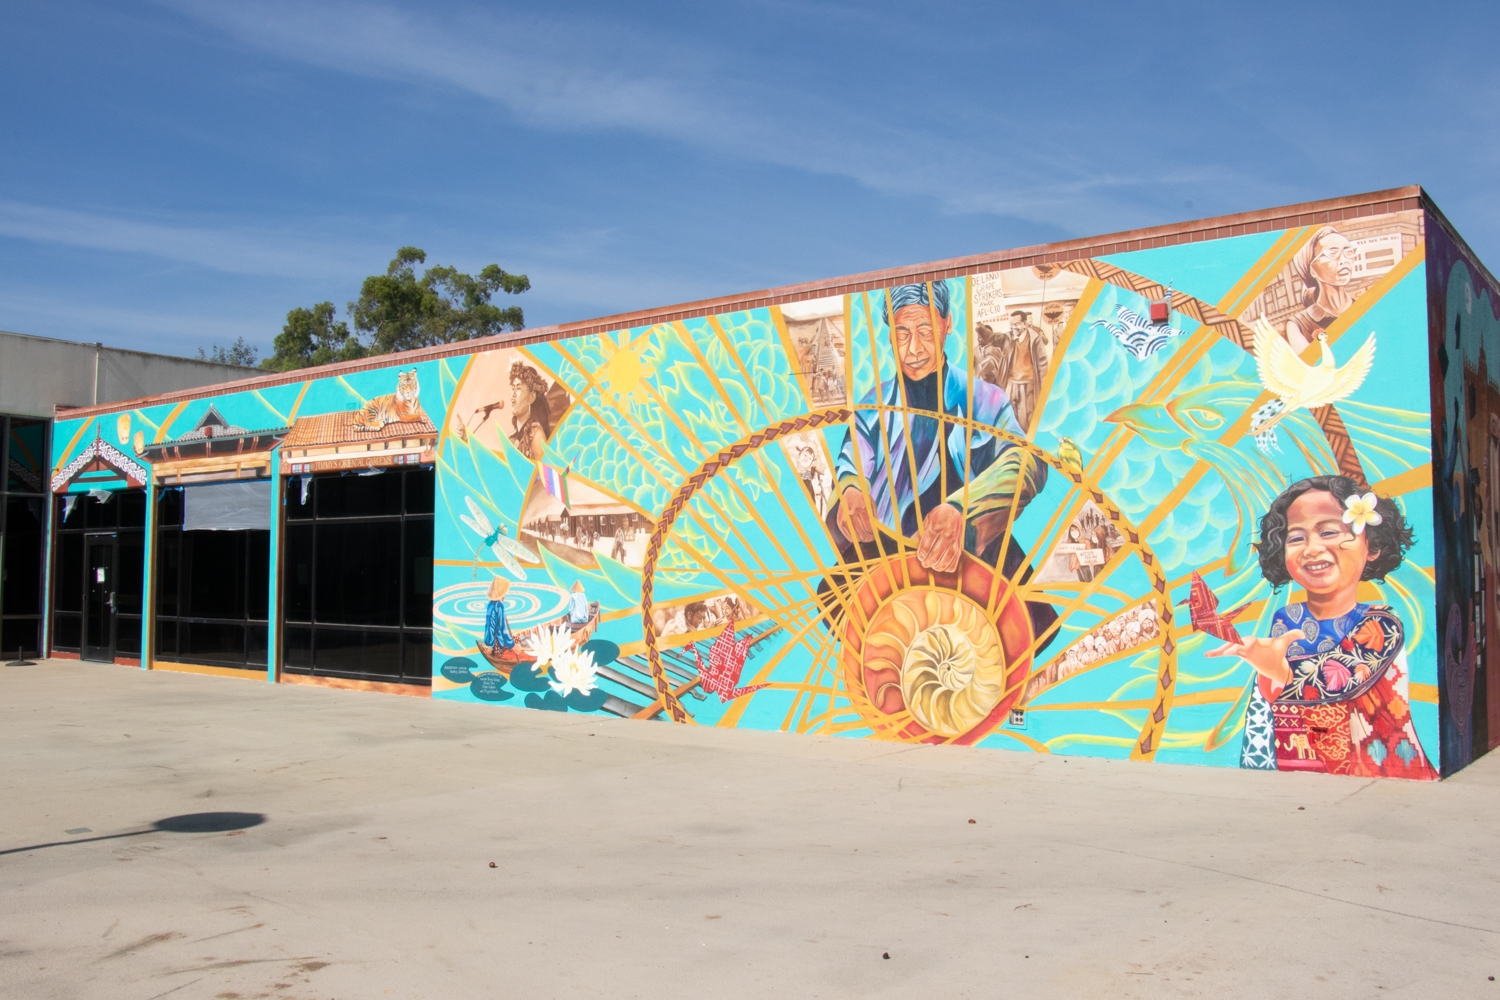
point(290, 251)
point(598, 75)
point(550, 74)
point(163, 331)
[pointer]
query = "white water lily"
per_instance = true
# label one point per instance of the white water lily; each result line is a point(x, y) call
point(575, 671)
point(1360, 511)
point(548, 645)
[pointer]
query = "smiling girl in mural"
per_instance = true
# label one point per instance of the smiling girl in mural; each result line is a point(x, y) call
point(1331, 694)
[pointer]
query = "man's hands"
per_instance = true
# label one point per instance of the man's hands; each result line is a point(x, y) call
point(1267, 656)
point(942, 538)
point(854, 515)
point(939, 545)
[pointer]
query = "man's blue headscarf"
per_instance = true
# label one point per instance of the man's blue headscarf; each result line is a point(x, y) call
point(916, 295)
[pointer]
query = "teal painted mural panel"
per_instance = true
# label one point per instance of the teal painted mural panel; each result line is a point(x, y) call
point(992, 510)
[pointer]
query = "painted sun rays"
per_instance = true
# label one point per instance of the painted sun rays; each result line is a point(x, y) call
point(715, 382)
point(654, 409)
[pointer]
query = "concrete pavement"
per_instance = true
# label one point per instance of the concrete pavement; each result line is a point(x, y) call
point(636, 859)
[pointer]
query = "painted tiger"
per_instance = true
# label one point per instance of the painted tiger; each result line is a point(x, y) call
point(402, 406)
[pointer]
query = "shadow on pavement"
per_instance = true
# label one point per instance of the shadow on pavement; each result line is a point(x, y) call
point(214, 822)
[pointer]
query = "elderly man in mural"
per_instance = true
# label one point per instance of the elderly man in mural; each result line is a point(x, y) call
point(955, 505)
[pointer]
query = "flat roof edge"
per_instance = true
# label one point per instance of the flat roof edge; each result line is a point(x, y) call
point(90, 345)
point(1172, 234)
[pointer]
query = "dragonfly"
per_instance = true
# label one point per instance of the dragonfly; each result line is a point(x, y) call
point(506, 549)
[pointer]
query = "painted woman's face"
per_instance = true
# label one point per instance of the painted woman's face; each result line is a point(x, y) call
point(521, 398)
point(1334, 264)
point(1323, 554)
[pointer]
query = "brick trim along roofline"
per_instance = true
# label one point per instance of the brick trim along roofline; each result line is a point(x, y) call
point(1265, 220)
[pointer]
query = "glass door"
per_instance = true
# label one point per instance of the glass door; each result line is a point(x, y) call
point(99, 599)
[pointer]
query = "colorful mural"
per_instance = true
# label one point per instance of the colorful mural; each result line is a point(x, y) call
point(1168, 505)
point(972, 511)
point(1464, 320)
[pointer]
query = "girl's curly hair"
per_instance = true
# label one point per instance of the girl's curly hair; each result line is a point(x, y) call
point(1391, 538)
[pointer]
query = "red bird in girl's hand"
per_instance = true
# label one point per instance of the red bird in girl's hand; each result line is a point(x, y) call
point(1204, 606)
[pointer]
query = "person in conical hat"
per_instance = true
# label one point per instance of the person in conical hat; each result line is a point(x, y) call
point(578, 604)
point(496, 634)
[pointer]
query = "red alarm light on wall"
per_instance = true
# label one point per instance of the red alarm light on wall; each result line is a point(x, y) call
point(1161, 309)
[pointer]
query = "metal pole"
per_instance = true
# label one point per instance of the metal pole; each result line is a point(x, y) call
point(98, 349)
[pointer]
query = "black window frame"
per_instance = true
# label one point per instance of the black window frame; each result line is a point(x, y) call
point(170, 629)
point(84, 523)
point(14, 577)
point(303, 635)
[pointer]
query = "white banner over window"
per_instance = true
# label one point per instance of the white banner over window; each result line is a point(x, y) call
point(228, 507)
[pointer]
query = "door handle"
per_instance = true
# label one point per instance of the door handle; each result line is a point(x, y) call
point(111, 602)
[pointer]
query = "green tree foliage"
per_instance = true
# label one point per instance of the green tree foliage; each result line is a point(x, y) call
point(313, 337)
point(399, 311)
point(237, 353)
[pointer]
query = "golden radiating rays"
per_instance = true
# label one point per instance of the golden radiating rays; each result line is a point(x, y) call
point(816, 607)
point(935, 662)
point(626, 373)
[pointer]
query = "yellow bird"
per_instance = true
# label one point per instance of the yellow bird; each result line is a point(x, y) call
point(1072, 458)
point(1301, 385)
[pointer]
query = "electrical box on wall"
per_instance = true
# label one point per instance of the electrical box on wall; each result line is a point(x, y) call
point(1161, 309)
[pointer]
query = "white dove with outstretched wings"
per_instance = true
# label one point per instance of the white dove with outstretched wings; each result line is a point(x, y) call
point(1300, 385)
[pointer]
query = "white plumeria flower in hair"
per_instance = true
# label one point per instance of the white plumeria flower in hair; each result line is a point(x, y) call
point(1360, 511)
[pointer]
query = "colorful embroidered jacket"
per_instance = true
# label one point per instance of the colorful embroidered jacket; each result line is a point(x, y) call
point(1339, 659)
point(1345, 709)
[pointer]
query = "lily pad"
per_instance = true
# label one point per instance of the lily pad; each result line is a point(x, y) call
point(490, 687)
point(524, 678)
point(459, 670)
point(605, 652)
point(591, 702)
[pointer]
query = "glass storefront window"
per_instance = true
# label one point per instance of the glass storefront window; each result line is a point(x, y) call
point(356, 578)
point(23, 533)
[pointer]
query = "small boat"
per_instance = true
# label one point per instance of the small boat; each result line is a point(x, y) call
point(505, 659)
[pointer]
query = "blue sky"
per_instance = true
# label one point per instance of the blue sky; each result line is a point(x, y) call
point(177, 174)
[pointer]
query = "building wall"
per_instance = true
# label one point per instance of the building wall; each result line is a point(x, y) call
point(693, 480)
point(38, 373)
point(1464, 323)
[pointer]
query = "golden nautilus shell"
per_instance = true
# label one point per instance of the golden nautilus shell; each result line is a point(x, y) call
point(936, 656)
